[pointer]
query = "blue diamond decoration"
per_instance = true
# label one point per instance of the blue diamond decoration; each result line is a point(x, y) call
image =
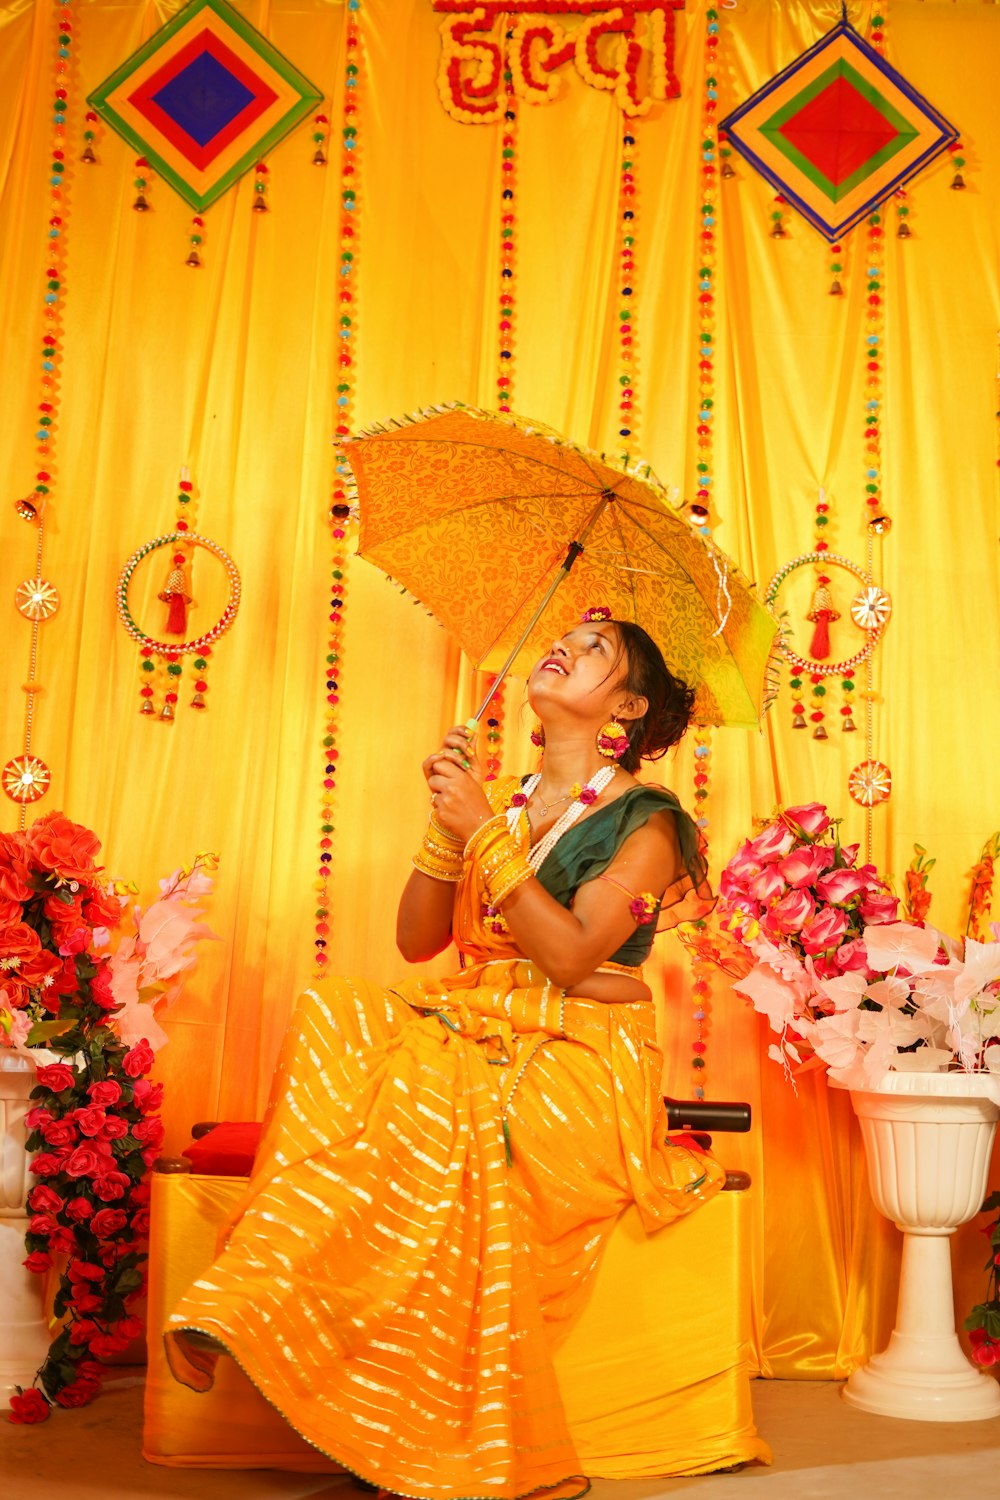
point(203, 98)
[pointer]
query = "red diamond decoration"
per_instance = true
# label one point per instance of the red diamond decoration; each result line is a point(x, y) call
point(838, 131)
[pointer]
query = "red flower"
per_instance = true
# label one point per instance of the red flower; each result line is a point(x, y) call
point(14, 884)
point(100, 989)
point(83, 1162)
point(20, 942)
point(38, 1261)
point(43, 1224)
point(107, 1221)
point(138, 1059)
point(150, 1130)
point(74, 941)
point(148, 1096)
point(824, 930)
point(111, 1186)
point(105, 1092)
point(57, 1076)
point(37, 1116)
point(89, 1119)
point(102, 909)
point(85, 1270)
point(84, 1300)
point(29, 1406)
point(46, 1164)
point(64, 847)
point(587, 796)
point(985, 1351)
point(43, 1199)
point(879, 907)
point(82, 1331)
point(63, 1242)
point(114, 1128)
point(58, 1133)
point(79, 1209)
point(79, 1393)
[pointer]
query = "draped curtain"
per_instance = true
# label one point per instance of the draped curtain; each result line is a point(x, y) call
point(231, 369)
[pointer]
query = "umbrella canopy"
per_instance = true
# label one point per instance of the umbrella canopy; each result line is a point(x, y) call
point(480, 516)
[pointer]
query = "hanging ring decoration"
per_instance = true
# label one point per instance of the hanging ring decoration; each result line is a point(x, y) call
point(870, 610)
point(179, 648)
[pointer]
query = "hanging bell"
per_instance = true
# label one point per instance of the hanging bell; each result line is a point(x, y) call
point(146, 706)
point(848, 726)
point(727, 169)
point(319, 160)
point(26, 509)
point(819, 733)
point(167, 713)
point(194, 260)
point(799, 722)
point(957, 183)
point(904, 232)
point(140, 205)
point(779, 232)
point(836, 290)
point(198, 701)
point(259, 206)
point(88, 155)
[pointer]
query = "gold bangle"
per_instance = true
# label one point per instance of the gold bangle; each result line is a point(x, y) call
point(434, 826)
point(484, 835)
point(512, 879)
point(437, 871)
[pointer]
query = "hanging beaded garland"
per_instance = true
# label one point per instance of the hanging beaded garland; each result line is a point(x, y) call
point(160, 665)
point(26, 777)
point(627, 271)
point(341, 516)
point(508, 225)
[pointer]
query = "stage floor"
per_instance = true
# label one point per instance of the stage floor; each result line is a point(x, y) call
point(823, 1450)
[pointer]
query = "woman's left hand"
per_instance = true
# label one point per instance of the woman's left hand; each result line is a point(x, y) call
point(460, 804)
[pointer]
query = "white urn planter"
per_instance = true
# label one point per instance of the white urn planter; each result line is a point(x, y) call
point(24, 1329)
point(928, 1139)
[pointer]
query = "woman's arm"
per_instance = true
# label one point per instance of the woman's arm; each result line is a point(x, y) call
point(423, 921)
point(569, 945)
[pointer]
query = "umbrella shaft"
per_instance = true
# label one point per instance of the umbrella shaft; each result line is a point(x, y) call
point(573, 550)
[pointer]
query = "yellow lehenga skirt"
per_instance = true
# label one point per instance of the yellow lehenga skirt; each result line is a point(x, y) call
point(440, 1167)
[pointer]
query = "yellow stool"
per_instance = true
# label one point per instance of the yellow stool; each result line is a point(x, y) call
point(653, 1373)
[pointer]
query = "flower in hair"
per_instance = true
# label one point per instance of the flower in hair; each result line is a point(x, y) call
point(643, 908)
point(596, 613)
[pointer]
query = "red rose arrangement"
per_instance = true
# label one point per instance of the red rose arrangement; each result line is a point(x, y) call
point(984, 1319)
point(93, 1126)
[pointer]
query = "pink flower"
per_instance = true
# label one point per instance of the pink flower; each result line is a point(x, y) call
point(587, 796)
point(743, 866)
point(824, 930)
point(802, 866)
point(851, 957)
point(791, 912)
point(29, 1406)
point(152, 1130)
point(767, 884)
point(811, 817)
point(148, 1096)
point(839, 886)
point(138, 1059)
point(518, 800)
point(57, 1076)
point(879, 907)
point(105, 1092)
point(772, 844)
point(74, 942)
point(849, 853)
point(83, 1162)
point(100, 989)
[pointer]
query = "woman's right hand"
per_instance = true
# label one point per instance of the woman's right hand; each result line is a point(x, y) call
point(457, 748)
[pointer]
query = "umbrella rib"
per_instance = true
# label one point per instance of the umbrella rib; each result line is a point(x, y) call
point(674, 557)
point(616, 518)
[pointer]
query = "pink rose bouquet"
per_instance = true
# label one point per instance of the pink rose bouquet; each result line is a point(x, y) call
point(92, 1129)
point(812, 941)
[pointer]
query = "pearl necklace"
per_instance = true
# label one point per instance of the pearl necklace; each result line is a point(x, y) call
point(587, 797)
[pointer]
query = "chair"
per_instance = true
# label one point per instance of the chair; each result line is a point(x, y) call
point(662, 1389)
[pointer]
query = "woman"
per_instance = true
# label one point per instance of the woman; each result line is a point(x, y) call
point(442, 1163)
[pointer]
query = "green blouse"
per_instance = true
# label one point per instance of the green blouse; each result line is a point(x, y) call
point(587, 849)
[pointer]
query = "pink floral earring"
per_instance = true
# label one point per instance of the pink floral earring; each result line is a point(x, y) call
point(612, 741)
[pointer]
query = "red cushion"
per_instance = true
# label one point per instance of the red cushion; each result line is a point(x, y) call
point(227, 1150)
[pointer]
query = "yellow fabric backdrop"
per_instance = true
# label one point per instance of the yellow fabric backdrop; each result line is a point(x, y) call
point(231, 370)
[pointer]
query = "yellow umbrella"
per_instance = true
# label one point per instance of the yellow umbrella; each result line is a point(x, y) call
point(506, 532)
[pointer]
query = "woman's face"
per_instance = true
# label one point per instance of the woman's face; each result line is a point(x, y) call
point(584, 670)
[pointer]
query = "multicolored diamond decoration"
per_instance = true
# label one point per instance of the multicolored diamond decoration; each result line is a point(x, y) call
point(838, 131)
point(204, 99)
